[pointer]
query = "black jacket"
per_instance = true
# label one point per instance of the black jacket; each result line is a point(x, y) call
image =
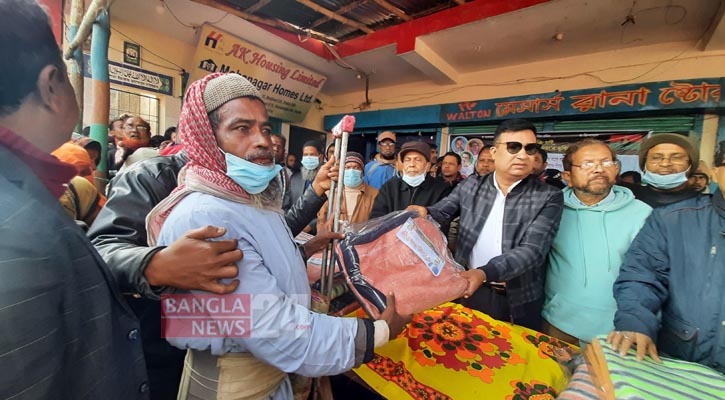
point(119, 235)
point(396, 195)
point(655, 198)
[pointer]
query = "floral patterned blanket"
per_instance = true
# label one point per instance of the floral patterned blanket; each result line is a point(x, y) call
point(452, 352)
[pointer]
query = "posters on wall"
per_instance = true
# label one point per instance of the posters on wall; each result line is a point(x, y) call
point(624, 144)
point(288, 89)
point(468, 148)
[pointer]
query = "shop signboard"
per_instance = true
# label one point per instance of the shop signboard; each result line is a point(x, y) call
point(288, 89)
point(677, 94)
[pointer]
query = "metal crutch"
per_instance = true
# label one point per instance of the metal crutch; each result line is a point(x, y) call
point(341, 132)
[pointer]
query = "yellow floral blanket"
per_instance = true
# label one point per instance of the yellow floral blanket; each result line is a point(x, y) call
point(453, 352)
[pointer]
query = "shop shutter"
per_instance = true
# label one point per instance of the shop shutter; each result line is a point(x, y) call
point(472, 130)
point(671, 123)
point(675, 123)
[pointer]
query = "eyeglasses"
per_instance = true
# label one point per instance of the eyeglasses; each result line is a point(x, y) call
point(140, 128)
point(675, 159)
point(387, 144)
point(590, 165)
point(515, 147)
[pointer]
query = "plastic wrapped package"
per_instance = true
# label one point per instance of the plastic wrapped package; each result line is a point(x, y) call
point(402, 254)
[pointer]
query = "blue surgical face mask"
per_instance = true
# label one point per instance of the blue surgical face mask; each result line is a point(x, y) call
point(311, 162)
point(253, 178)
point(664, 182)
point(352, 178)
point(414, 181)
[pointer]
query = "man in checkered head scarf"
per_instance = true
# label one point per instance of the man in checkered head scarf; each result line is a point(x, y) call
point(227, 136)
point(229, 182)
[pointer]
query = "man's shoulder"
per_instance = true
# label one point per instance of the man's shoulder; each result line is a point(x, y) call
point(27, 219)
point(437, 183)
point(204, 204)
point(391, 184)
point(639, 206)
point(375, 165)
point(542, 190)
point(369, 190)
point(155, 166)
point(691, 205)
point(199, 209)
point(296, 177)
point(20, 209)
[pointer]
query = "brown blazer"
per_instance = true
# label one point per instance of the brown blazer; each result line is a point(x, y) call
point(361, 213)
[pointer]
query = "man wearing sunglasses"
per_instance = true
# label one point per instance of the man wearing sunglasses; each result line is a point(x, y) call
point(599, 222)
point(508, 221)
point(667, 160)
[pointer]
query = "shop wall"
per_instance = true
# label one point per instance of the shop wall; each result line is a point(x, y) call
point(166, 55)
point(159, 53)
point(313, 120)
point(678, 60)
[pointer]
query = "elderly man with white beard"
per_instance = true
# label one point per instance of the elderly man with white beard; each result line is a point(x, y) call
point(414, 187)
point(230, 182)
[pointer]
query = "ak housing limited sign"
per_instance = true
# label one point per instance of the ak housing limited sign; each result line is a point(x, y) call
point(287, 88)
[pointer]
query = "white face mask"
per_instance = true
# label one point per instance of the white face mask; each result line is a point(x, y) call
point(414, 181)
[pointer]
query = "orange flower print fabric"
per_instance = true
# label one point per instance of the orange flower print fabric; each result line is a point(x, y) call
point(452, 352)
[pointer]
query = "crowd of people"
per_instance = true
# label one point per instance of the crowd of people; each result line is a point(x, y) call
point(213, 207)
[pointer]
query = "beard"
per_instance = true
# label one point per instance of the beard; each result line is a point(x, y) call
point(598, 188)
point(309, 174)
point(388, 157)
point(271, 197)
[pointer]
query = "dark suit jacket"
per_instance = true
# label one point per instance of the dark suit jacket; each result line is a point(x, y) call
point(532, 213)
point(66, 331)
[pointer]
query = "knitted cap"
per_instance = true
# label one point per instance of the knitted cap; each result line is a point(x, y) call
point(356, 158)
point(225, 88)
point(681, 140)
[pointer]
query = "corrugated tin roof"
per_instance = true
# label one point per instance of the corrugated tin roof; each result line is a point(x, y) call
point(366, 12)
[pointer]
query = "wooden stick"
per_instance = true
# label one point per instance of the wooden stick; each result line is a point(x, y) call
point(393, 9)
point(333, 15)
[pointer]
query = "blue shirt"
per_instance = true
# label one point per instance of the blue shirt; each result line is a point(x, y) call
point(376, 173)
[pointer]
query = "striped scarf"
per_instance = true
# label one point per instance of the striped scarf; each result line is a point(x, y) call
point(206, 170)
